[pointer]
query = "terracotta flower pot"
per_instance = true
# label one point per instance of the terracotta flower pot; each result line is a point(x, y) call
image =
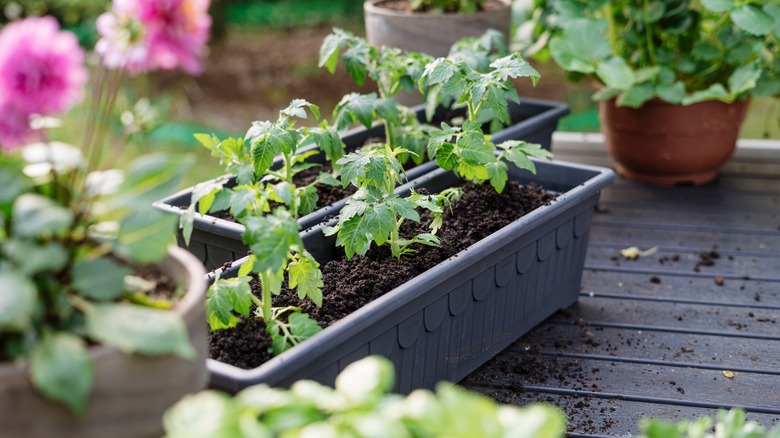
point(430, 33)
point(666, 144)
point(130, 393)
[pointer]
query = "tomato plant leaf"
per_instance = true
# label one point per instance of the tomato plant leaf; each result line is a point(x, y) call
point(305, 275)
point(226, 297)
point(270, 238)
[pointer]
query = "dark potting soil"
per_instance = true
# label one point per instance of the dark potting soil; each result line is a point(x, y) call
point(404, 5)
point(350, 284)
point(326, 195)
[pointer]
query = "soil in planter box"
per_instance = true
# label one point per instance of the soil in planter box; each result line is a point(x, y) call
point(326, 195)
point(350, 284)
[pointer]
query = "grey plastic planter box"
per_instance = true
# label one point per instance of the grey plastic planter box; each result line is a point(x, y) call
point(216, 241)
point(446, 323)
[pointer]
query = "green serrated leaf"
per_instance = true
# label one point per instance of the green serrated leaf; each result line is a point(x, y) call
point(225, 297)
point(328, 140)
point(472, 172)
point(297, 108)
point(99, 278)
point(186, 223)
point(18, 299)
point(497, 173)
point(307, 199)
point(357, 62)
point(403, 207)
point(329, 52)
point(327, 179)
point(475, 148)
point(135, 329)
point(304, 274)
point(519, 159)
point(61, 369)
point(355, 107)
point(241, 198)
point(437, 72)
point(302, 326)
point(36, 215)
point(354, 207)
point(270, 238)
point(514, 66)
point(353, 167)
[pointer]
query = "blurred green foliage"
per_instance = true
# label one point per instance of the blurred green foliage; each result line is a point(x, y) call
point(291, 13)
point(75, 15)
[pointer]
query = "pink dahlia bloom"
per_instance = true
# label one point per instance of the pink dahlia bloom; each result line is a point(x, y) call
point(15, 128)
point(145, 35)
point(41, 68)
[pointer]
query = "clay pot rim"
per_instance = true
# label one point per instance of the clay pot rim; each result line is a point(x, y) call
point(370, 6)
point(177, 260)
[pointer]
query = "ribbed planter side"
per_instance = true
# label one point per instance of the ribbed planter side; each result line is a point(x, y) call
point(433, 34)
point(217, 241)
point(666, 144)
point(444, 324)
point(130, 392)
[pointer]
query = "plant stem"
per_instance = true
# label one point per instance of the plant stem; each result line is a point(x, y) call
point(611, 28)
point(394, 237)
point(288, 178)
point(265, 307)
point(649, 36)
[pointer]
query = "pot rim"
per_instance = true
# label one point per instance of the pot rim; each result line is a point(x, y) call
point(370, 6)
point(177, 260)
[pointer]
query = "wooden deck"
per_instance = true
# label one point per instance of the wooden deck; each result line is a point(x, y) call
point(678, 333)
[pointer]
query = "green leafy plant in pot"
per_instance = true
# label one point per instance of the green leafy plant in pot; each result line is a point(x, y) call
point(102, 323)
point(674, 78)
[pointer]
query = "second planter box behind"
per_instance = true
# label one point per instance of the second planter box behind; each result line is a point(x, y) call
point(216, 241)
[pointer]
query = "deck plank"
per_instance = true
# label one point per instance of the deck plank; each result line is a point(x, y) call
point(652, 337)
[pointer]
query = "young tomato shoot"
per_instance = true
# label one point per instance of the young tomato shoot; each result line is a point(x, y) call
point(466, 150)
point(375, 214)
point(276, 248)
point(273, 237)
point(392, 70)
point(258, 182)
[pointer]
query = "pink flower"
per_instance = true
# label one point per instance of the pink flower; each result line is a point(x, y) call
point(15, 128)
point(145, 35)
point(41, 68)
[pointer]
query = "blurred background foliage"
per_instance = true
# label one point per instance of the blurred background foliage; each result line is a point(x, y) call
point(263, 54)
